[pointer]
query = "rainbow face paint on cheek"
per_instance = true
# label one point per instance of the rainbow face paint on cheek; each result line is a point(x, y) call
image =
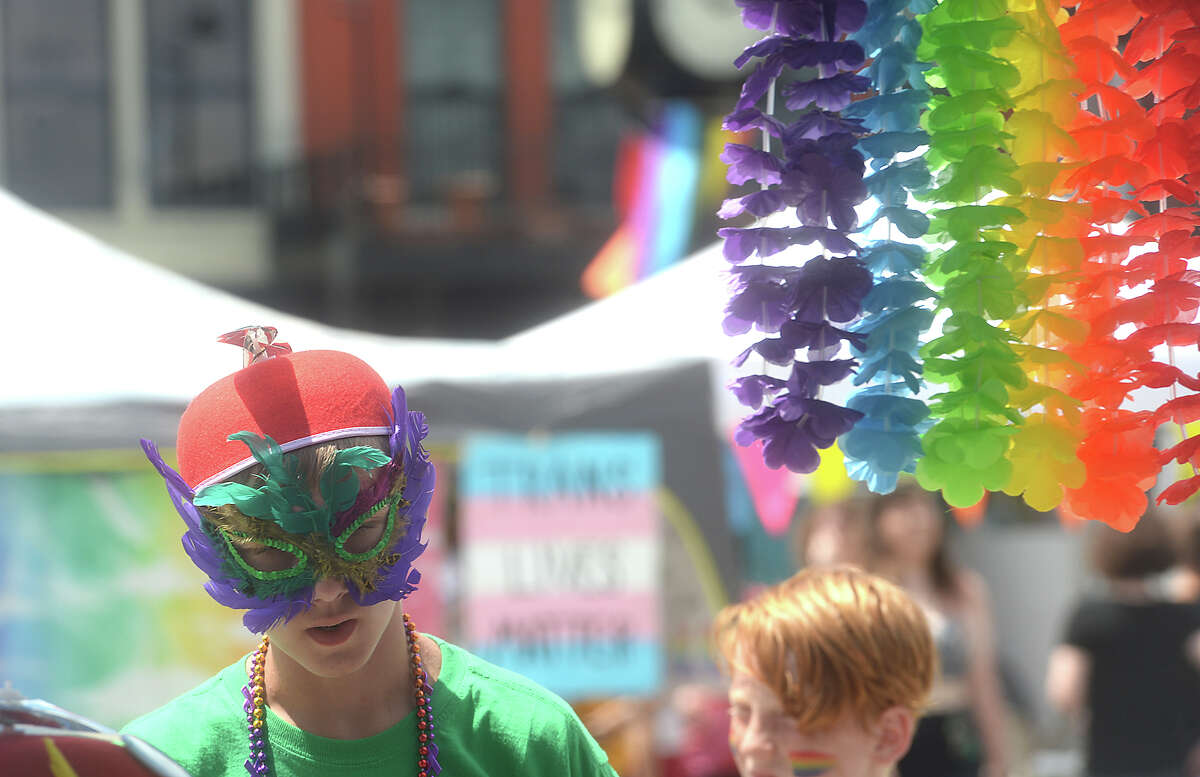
point(810, 763)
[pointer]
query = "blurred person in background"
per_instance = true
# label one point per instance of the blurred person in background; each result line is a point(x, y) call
point(1182, 582)
point(834, 533)
point(699, 715)
point(1127, 665)
point(964, 732)
point(304, 485)
point(828, 672)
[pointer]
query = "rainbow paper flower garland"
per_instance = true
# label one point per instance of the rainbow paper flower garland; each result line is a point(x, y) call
point(1060, 214)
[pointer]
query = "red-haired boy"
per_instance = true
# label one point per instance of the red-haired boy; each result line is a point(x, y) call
point(829, 670)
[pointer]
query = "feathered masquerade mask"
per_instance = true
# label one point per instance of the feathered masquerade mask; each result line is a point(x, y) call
point(264, 546)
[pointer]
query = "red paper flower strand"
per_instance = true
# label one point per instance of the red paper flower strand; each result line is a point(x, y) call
point(1122, 145)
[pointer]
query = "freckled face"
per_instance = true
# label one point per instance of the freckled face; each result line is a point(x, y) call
point(766, 742)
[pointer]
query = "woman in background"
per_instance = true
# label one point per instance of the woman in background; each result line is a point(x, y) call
point(963, 731)
point(834, 533)
point(1128, 661)
point(1182, 582)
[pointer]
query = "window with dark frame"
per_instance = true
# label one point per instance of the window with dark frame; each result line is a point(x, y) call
point(57, 102)
point(588, 119)
point(199, 85)
point(454, 97)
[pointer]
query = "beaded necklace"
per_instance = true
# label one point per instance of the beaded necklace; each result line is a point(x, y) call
point(255, 692)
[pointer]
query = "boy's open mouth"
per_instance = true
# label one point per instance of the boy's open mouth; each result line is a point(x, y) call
point(332, 634)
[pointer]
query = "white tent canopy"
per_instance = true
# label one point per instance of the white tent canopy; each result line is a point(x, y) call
point(89, 324)
point(670, 317)
point(86, 323)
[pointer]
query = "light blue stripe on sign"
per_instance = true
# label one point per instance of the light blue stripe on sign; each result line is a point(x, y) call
point(572, 464)
point(578, 670)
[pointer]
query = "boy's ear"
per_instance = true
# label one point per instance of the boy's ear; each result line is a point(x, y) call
point(893, 734)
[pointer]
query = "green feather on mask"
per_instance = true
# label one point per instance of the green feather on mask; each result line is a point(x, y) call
point(285, 497)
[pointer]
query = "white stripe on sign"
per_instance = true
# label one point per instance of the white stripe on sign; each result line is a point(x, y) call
point(557, 567)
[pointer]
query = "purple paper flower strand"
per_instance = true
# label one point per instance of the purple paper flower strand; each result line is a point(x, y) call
point(820, 176)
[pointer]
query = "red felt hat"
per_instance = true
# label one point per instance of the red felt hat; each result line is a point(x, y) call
point(296, 399)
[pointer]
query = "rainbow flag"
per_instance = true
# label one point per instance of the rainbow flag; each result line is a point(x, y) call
point(657, 179)
point(810, 763)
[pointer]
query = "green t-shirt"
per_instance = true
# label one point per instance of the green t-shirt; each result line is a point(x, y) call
point(489, 721)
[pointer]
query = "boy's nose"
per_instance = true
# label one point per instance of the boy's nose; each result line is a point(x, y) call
point(329, 589)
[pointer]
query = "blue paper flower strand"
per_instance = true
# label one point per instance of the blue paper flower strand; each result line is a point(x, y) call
point(887, 440)
point(818, 175)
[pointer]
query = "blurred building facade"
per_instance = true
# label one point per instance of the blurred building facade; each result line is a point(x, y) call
point(339, 156)
point(407, 166)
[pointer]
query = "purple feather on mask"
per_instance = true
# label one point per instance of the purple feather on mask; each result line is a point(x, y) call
point(196, 542)
point(261, 618)
point(262, 614)
point(408, 430)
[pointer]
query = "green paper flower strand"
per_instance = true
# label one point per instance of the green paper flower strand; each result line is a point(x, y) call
point(979, 269)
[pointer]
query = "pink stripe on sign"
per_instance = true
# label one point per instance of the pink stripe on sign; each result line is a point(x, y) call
point(558, 517)
point(600, 617)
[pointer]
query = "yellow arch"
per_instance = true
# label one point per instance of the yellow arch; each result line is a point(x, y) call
point(685, 526)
